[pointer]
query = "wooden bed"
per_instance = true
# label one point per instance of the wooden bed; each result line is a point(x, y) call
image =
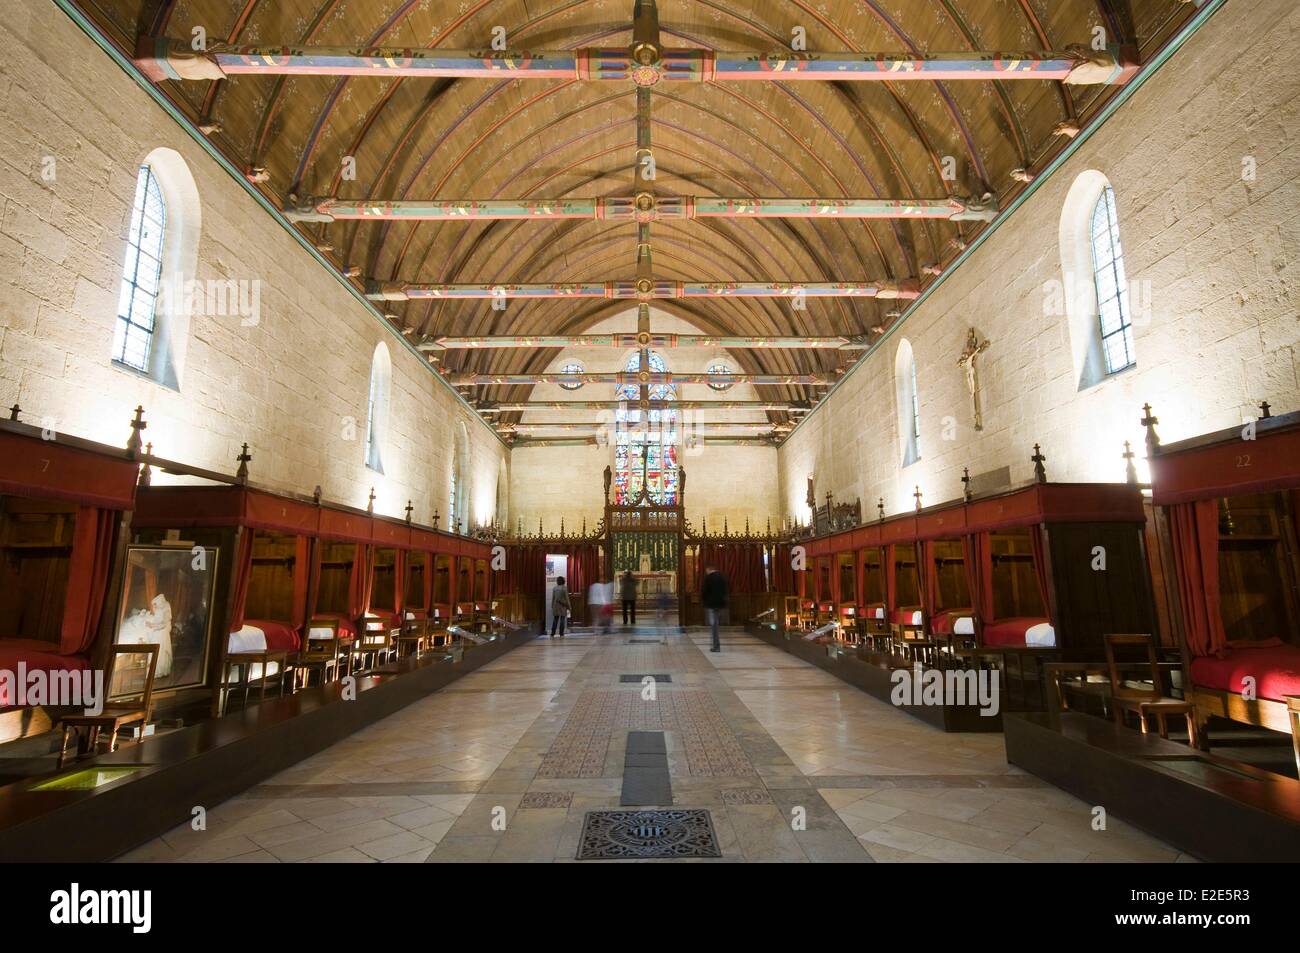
point(1228, 508)
point(65, 504)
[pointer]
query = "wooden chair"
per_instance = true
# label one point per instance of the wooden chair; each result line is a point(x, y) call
point(375, 643)
point(1143, 701)
point(1293, 715)
point(133, 684)
point(791, 612)
point(321, 654)
point(413, 639)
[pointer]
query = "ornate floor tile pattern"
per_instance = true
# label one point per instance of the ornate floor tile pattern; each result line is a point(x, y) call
point(426, 784)
point(645, 835)
point(537, 800)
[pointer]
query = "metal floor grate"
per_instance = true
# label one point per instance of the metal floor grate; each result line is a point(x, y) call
point(640, 835)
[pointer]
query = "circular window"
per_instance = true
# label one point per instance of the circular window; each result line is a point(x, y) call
point(720, 370)
point(574, 368)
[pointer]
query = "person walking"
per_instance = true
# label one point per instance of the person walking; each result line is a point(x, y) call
point(714, 596)
point(559, 606)
point(599, 608)
point(629, 598)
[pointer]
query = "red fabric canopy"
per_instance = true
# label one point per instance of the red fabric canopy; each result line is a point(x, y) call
point(1225, 464)
point(1194, 533)
point(52, 470)
point(92, 558)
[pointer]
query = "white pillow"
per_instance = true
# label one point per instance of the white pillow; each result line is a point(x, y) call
point(1041, 634)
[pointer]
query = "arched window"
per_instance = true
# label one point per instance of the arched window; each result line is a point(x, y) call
point(1094, 291)
point(458, 497)
point(141, 274)
point(1112, 286)
point(723, 373)
point(381, 377)
point(502, 515)
point(645, 451)
point(573, 367)
point(907, 399)
point(158, 292)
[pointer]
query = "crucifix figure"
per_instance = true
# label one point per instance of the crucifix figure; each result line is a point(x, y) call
point(974, 348)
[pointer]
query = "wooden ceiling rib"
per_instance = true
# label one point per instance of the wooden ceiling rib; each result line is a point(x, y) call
point(458, 138)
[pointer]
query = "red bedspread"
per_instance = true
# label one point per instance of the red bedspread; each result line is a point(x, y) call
point(1006, 632)
point(347, 630)
point(38, 657)
point(904, 616)
point(1275, 668)
point(942, 622)
point(280, 636)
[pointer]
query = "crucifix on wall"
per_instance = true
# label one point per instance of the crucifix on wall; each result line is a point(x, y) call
point(974, 348)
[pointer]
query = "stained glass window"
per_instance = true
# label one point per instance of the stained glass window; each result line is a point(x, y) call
point(645, 451)
point(141, 274)
point(1112, 286)
point(573, 368)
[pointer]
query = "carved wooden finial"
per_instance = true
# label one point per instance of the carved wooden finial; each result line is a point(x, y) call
point(14, 411)
point(1040, 474)
point(584, 526)
point(1130, 471)
point(965, 483)
point(561, 526)
point(1153, 439)
point(880, 507)
point(436, 517)
point(241, 474)
point(370, 503)
point(409, 509)
point(146, 472)
point(138, 424)
point(1265, 410)
point(316, 494)
point(726, 531)
point(917, 494)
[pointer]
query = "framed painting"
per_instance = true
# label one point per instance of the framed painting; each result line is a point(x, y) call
point(168, 597)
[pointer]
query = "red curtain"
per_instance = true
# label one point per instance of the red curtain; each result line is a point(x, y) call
point(1040, 568)
point(399, 582)
point(302, 573)
point(92, 558)
point(1194, 531)
point(782, 569)
point(977, 552)
point(243, 575)
point(359, 582)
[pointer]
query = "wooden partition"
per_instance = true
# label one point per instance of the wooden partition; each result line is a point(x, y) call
point(271, 583)
point(1016, 592)
point(418, 570)
point(35, 558)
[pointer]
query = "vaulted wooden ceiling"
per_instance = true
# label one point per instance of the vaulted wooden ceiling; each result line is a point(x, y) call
point(475, 138)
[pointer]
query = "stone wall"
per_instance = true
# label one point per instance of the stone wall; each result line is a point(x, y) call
point(1213, 259)
point(293, 384)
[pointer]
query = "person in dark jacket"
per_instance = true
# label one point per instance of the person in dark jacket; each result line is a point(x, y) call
point(714, 596)
point(629, 598)
point(559, 607)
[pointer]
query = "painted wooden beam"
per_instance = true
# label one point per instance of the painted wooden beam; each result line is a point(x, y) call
point(459, 379)
point(163, 58)
point(646, 290)
point(643, 207)
point(690, 426)
point(520, 406)
point(653, 340)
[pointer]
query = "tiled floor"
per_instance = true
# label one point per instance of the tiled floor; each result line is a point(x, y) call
point(791, 763)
